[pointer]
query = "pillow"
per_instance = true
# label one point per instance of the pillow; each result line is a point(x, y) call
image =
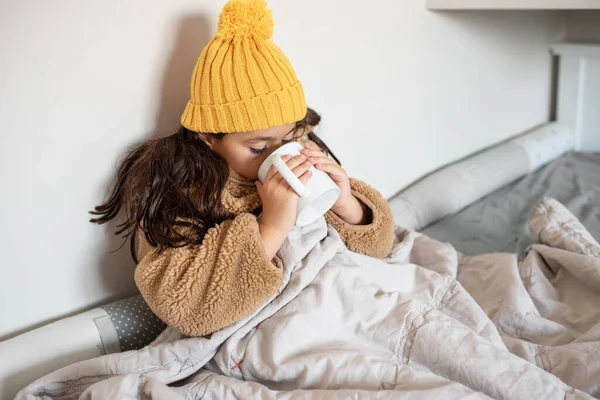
point(123, 325)
point(132, 325)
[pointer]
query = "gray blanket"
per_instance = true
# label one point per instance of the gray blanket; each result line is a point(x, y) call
point(498, 222)
point(425, 323)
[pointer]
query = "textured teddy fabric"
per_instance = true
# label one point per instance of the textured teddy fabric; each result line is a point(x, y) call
point(374, 239)
point(200, 289)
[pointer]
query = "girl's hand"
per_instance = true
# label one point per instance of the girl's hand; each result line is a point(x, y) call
point(347, 207)
point(280, 202)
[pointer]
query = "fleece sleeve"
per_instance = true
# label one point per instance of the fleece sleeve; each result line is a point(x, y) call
point(200, 289)
point(374, 239)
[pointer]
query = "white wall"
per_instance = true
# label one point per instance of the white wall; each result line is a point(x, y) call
point(402, 91)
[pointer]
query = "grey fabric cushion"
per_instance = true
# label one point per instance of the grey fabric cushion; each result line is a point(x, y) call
point(135, 324)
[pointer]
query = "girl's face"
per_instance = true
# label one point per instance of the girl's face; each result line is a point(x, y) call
point(246, 151)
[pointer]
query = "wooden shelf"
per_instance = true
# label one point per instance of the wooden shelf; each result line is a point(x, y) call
point(576, 50)
point(513, 4)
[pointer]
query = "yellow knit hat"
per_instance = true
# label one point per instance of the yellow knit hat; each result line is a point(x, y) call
point(242, 81)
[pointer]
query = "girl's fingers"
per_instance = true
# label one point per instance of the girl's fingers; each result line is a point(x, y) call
point(313, 153)
point(321, 160)
point(333, 170)
point(291, 163)
point(305, 177)
point(310, 145)
point(302, 168)
point(270, 173)
point(296, 161)
point(302, 173)
point(273, 171)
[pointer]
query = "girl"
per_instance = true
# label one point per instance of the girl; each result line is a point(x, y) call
point(192, 199)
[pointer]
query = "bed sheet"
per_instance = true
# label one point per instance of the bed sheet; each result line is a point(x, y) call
point(498, 222)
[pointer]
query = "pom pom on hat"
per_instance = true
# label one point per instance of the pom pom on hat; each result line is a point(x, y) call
point(245, 19)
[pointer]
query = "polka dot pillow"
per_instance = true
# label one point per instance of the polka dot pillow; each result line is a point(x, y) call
point(135, 324)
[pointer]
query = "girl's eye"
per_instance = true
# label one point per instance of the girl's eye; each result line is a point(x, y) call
point(258, 151)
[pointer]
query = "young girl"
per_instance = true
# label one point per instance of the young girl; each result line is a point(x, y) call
point(192, 199)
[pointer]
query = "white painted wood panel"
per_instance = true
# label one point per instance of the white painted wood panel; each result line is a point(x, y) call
point(590, 106)
point(579, 92)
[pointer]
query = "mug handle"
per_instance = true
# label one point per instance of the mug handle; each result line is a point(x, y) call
point(289, 176)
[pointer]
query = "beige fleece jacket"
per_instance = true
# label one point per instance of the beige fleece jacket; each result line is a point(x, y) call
point(200, 289)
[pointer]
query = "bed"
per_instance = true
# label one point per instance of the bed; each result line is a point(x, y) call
point(481, 203)
point(498, 222)
point(458, 204)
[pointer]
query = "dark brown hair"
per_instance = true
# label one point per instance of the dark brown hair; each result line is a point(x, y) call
point(171, 188)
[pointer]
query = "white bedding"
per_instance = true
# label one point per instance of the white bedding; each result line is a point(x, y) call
point(425, 323)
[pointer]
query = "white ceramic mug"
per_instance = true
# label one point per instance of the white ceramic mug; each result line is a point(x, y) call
point(316, 197)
